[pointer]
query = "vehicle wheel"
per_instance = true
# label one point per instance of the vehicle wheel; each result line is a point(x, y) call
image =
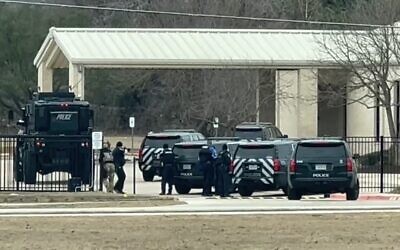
point(29, 165)
point(86, 169)
point(245, 191)
point(293, 194)
point(182, 189)
point(148, 175)
point(353, 193)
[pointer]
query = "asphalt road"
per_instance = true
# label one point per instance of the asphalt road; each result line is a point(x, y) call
point(371, 180)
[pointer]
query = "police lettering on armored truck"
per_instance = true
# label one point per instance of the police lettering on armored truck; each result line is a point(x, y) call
point(56, 137)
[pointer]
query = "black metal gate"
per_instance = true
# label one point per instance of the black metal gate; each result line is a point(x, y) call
point(53, 182)
point(378, 163)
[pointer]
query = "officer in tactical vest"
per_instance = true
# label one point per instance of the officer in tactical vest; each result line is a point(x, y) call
point(206, 165)
point(107, 167)
point(167, 158)
point(223, 168)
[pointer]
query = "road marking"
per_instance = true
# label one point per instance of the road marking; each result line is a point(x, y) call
point(264, 198)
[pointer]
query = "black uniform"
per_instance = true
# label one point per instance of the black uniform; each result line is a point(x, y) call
point(167, 158)
point(119, 162)
point(205, 161)
point(224, 180)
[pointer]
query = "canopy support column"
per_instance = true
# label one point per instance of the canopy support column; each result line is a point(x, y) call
point(45, 78)
point(296, 102)
point(77, 80)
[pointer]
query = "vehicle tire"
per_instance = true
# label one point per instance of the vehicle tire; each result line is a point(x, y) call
point(29, 165)
point(182, 188)
point(148, 175)
point(86, 168)
point(245, 191)
point(353, 193)
point(293, 194)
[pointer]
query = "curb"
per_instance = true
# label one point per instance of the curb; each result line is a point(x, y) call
point(369, 197)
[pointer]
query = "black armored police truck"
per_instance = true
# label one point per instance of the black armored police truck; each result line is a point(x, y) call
point(55, 138)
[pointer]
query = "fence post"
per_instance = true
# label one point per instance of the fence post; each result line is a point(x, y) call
point(134, 175)
point(381, 163)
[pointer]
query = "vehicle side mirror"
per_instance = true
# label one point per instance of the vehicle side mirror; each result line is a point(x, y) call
point(285, 136)
point(356, 156)
point(21, 123)
point(10, 116)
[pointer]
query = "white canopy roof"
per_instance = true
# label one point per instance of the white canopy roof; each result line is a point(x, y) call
point(182, 48)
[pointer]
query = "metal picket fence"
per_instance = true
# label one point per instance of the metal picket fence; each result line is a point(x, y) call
point(53, 182)
point(378, 166)
point(378, 163)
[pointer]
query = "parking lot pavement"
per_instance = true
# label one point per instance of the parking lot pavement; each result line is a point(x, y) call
point(153, 188)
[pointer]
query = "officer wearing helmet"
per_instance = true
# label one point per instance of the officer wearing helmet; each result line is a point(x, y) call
point(167, 158)
point(119, 162)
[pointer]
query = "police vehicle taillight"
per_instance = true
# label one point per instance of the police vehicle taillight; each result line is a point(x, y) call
point(349, 165)
point(277, 165)
point(293, 166)
point(140, 153)
point(231, 167)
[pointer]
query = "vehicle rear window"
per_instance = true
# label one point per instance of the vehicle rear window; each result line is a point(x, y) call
point(284, 151)
point(249, 133)
point(321, 150)
point(159, 141)
point(255, 151)
point(187, 152)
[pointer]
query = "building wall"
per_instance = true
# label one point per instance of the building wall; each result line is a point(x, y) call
point(372, 120)
point(296, 102)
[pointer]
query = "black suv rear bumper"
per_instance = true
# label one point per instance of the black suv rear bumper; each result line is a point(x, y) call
point(191, 181)
point(256, 183)
point(320, 185)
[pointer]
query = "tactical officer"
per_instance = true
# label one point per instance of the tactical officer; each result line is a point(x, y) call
point(205, 161)
point(167, 158)
point(119, 162)
point(223, 168)
point(107, 167)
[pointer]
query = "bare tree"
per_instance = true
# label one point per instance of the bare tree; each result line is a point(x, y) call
point(369, 57)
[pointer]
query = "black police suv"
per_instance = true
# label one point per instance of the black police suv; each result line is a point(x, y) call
point(257, 131)
point(188, 174)
point(56, 138)
point(255, 165)
point(152, 147)
point(322, 166)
